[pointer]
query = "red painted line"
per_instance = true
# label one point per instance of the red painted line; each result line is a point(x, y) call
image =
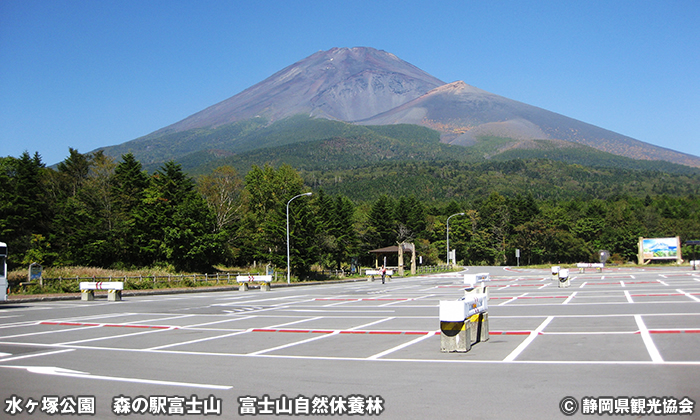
point(509, 332)
point(353, 332)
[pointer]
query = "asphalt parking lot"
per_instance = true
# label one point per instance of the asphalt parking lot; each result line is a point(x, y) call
point(625, 341)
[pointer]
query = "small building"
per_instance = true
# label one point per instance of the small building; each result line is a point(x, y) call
point(382, 254)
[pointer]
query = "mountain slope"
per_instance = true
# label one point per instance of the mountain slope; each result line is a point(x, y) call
point(462, 113)
point(366, 86)
point(342, 83)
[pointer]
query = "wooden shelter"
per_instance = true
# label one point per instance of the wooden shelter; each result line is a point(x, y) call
point(399, 250)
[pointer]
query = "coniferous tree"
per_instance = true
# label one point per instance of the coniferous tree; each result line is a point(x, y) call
point(174, 224)
point(24, 207)
point(343, 231)
point(128, 190)
point(325, 217)
point(381, 230)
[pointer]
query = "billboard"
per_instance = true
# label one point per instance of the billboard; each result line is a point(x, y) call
point(651, 249)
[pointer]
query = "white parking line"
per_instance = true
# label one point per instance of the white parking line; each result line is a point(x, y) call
point(569, 298)
point(182, 343)
point(372, 323)
point(648, 342)
point(399, 347)
point(248, 302)
point(345, 302)
point(219, 322)
point(19, 324)
point(48, 332)
point(530, 338)
point(628, 296)
point(296, 343)
point(512, 299)
point(162, 319)
point(396, 302)
point(86, 318)
point(28, 356)
point(112, 336)
point(57, 371)
point(688, 295)
point(294, 322)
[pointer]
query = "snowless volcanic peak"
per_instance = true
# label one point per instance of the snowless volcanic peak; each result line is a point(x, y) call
point(373, 87)
point(346, 84)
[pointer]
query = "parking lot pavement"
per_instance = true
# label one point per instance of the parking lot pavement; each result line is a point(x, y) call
point(619, 338)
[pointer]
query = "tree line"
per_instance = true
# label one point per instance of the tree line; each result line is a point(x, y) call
point(92, 210)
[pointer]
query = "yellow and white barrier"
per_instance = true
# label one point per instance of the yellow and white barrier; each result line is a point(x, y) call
point(263, 281)
point(114, 289)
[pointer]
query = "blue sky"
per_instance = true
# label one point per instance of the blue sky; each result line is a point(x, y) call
point(86, 74)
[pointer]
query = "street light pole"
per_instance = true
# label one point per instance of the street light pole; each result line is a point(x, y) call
point(288, 265)
point(448, 235)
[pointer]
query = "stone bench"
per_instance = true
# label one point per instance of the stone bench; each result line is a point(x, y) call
point(113, 288)
point(371, 273)
point(583, 266)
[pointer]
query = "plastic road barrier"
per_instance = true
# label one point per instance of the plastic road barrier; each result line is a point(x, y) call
point(263, 281)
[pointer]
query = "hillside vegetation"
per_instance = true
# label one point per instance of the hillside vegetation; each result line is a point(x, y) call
point(319, 144)
point(94, 211)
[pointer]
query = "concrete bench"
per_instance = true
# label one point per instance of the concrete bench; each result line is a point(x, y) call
point(465, 321)
point(371, 273)
point(583, 266)
point(113, 288)
point(263, 281)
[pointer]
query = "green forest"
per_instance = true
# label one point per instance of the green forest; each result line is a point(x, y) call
point(97, 211)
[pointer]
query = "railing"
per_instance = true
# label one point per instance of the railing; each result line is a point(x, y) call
point(427, 269)
point(71, 284)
